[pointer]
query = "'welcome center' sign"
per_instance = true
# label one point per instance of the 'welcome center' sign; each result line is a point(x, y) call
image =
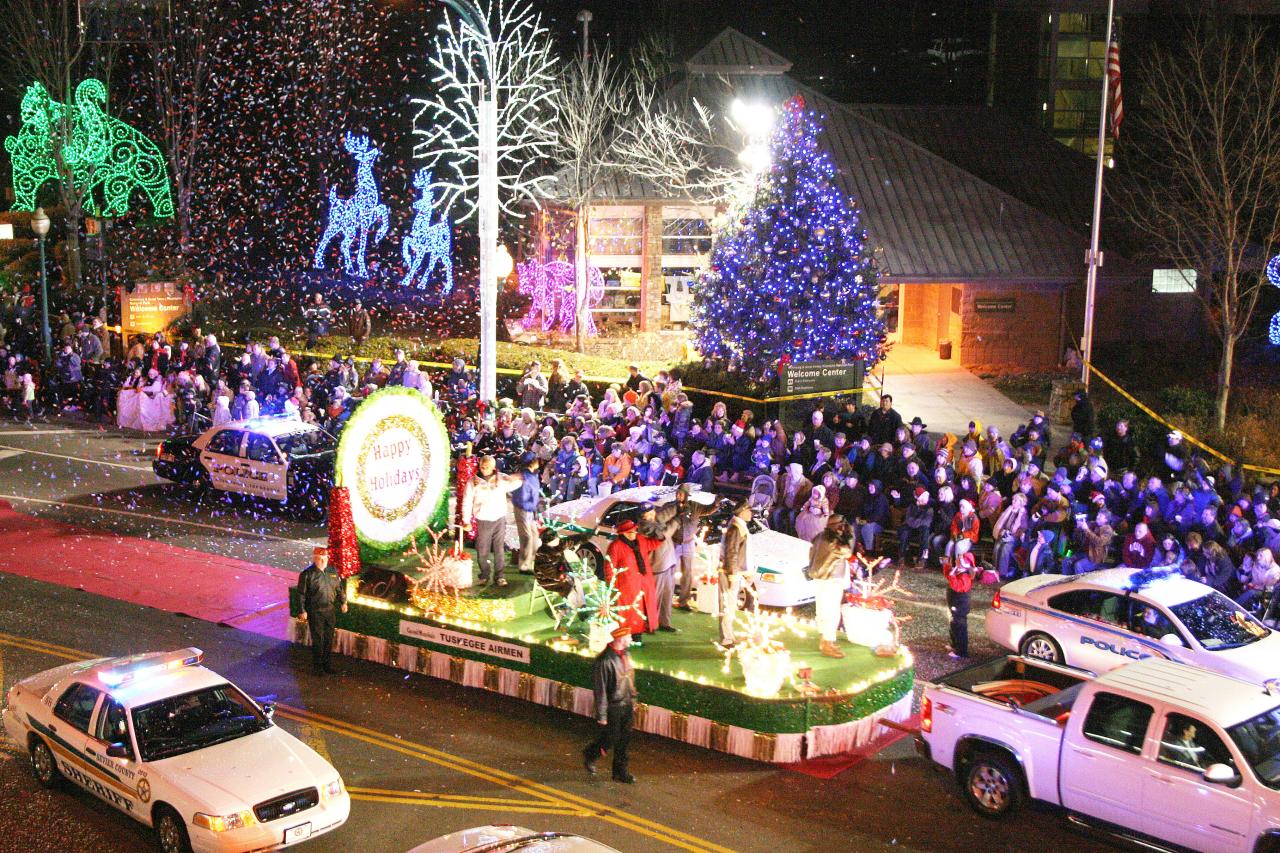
point(394, 458)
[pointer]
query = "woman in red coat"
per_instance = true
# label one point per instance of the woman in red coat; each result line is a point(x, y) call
point(629, 563)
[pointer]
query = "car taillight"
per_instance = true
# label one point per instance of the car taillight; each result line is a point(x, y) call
point(159, 450)
point(995, 601)
point(926, 715)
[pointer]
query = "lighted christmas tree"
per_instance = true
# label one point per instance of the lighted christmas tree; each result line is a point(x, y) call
point(344, 550)
point(791, 277)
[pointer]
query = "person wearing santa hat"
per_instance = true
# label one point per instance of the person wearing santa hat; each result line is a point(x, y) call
point(323, 593)
point(964, 530)
point(613, 683)
point(916, 523)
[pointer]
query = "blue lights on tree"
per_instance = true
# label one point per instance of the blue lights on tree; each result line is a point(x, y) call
point(355, 217)
point(427, 240)
point(1273, 276)
point(791, 277)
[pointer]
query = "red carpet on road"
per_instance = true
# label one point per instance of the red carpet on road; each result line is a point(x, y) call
point(831, 766)
point(142, 571)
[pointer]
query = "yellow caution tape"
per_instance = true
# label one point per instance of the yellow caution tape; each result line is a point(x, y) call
point(1190, 439)
point(510, 371)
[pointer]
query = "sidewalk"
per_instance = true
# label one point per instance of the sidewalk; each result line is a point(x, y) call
point(945, 395)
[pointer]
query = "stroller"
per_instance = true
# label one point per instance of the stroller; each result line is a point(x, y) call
point(764, 491)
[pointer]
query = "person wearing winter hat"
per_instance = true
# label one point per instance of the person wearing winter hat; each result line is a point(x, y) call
point(964, 530)
point(959, 573)
point(916, 525)
point(614, 692)
point(828, 574)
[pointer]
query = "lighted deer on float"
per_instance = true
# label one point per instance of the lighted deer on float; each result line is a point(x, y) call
point(356, 216)
point(427, 239)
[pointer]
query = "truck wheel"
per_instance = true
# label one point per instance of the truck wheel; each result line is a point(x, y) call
point(43, 767)
point(993, 785)
point(1041, 647)
point(171, 832)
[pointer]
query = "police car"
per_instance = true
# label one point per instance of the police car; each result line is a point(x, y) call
point(781, 560)
point(505, 838)
point(175, 746)
point(1100, 620)
point(279, 458)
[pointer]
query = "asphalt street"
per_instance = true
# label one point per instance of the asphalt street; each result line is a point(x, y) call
point(424, 757)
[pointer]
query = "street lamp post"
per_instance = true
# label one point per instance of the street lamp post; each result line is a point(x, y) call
point(487, 212)
point(40, 225)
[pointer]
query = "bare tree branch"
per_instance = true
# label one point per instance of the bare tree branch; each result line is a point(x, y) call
point(1204, 167)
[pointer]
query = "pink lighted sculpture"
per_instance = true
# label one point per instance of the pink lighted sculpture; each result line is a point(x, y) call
point(550, 286)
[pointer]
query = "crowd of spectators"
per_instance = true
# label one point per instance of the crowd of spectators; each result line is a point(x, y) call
point(1029, 503)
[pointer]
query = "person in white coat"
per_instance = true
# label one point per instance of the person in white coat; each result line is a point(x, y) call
point(222, 410)
point(486, 505)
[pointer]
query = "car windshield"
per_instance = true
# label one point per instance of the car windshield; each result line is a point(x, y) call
point(1218, 622)
point(302, 443)
point(1259, 741)
point(194, 721)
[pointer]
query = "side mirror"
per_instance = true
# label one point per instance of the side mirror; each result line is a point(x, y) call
point(1221, 774)
point(119, 750)
point(269, 708)
point(1173, 641)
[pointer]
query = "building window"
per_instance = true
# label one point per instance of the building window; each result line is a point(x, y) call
point(686, 236)
point(615, 233)
point(1173, 281)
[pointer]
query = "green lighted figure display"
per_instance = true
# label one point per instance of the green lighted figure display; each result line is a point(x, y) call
point(106, 157)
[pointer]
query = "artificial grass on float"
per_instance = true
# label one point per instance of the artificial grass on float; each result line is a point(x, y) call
point(682, 672)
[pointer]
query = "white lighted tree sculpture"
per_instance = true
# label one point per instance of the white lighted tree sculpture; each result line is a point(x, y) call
point(485, 128)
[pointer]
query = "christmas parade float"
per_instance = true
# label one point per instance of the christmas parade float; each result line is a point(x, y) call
point(413, 605)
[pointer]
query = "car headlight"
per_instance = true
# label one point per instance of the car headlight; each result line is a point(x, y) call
point(333, 789)
point(223, 823)
point(770, 577)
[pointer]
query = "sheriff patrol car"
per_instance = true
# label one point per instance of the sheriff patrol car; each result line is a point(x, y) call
point(1100, 620)
point(177, 747)
point(278, 458)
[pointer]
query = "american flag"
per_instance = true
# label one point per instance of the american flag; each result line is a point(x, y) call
point(1113, 77)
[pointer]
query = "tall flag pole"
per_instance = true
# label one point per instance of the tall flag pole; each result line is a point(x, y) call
point(1094, 256)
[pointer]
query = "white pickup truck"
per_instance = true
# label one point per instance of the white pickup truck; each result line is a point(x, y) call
point(1170, 756)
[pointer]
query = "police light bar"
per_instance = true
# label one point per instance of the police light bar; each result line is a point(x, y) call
point(1271, 686)
point(138, 667)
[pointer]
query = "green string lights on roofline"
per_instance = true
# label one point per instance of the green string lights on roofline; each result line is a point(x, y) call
point(108, 159)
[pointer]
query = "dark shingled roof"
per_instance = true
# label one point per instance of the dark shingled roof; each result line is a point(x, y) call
point(733, 53)
point(1016, 157)
point(930, 220)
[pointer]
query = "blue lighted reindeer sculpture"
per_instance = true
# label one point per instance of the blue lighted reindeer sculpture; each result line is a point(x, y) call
point(427, 239)
point(356, 216)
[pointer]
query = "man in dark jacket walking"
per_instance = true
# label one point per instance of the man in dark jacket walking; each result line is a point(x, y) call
point(614, 685)
point(323, 593)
